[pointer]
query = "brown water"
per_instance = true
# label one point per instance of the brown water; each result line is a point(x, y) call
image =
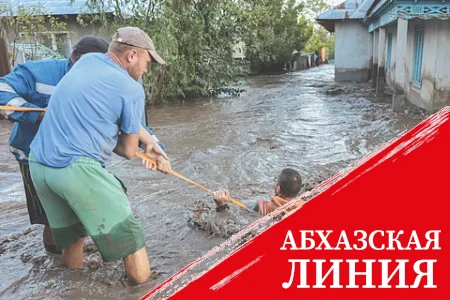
point(299, 120)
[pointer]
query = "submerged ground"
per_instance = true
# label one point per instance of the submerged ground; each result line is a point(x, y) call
point(301, 120)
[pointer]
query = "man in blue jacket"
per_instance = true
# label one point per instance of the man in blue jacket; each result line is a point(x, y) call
point(30, 85)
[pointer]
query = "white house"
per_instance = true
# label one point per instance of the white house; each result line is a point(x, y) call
point(352, 40)
point(406, 45)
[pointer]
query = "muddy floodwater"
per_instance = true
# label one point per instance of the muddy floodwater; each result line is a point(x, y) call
point(301, 120)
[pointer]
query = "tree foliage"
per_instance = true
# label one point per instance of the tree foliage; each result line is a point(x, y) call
point(321, 39)
point(276, 29)
point(196, 37)
point(314, 8)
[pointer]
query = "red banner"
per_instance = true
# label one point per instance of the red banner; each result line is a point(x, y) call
point(378, 231)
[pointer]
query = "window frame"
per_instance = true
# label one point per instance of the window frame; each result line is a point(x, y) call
point(419, 34)
point(389, 53)
point(52, 36)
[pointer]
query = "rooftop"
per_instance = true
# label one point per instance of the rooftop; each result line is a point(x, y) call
point(52, 7)
point(347, 10)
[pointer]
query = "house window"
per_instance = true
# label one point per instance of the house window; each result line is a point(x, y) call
point(46, 44)
point(418, 54)
point(389, 53)
point(58, 42)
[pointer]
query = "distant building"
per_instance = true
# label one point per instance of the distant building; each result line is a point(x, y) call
point(405, 44)
point(238, 50)
point(302, 60)
point(352, 40)
point(61, 41)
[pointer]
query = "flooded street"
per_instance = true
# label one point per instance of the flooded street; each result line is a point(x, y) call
point(301, 120)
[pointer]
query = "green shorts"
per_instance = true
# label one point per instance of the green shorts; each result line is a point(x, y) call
point(84, 199)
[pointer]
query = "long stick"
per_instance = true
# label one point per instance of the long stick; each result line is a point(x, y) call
point(18, 108)
point(277, 203)
point(143, 156)
point(138, 154)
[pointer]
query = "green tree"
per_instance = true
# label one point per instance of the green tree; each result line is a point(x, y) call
point(314, 8)
point(321, 39)
point(194, 37)
point(277, 28)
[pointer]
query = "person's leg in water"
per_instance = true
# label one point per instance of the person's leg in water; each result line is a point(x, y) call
point(73, 255)
point(85, 199)
point(137, 266)
point(49, 240)
point(35, 210)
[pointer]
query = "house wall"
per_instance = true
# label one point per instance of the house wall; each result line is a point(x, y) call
point(423, 97)
point(77, 31)
point(442, 76)
point(434, 92)
point(390, 75)
point(302, 62)
point(352, 53)
point(429, 62)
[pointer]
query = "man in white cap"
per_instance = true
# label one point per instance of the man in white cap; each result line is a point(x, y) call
point(94, 111)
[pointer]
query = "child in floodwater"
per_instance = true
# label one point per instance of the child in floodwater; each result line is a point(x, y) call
point(288, 186)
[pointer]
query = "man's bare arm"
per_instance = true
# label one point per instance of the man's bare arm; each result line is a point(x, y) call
point(127, 145)
point(153, 150)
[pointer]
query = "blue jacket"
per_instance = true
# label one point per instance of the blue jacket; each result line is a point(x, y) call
point(30, 85)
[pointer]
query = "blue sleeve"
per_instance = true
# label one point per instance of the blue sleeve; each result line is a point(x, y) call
point(152, 134)
point(131, 116)
point(15, 88)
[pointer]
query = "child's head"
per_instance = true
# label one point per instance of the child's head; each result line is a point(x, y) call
point(289, 184)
